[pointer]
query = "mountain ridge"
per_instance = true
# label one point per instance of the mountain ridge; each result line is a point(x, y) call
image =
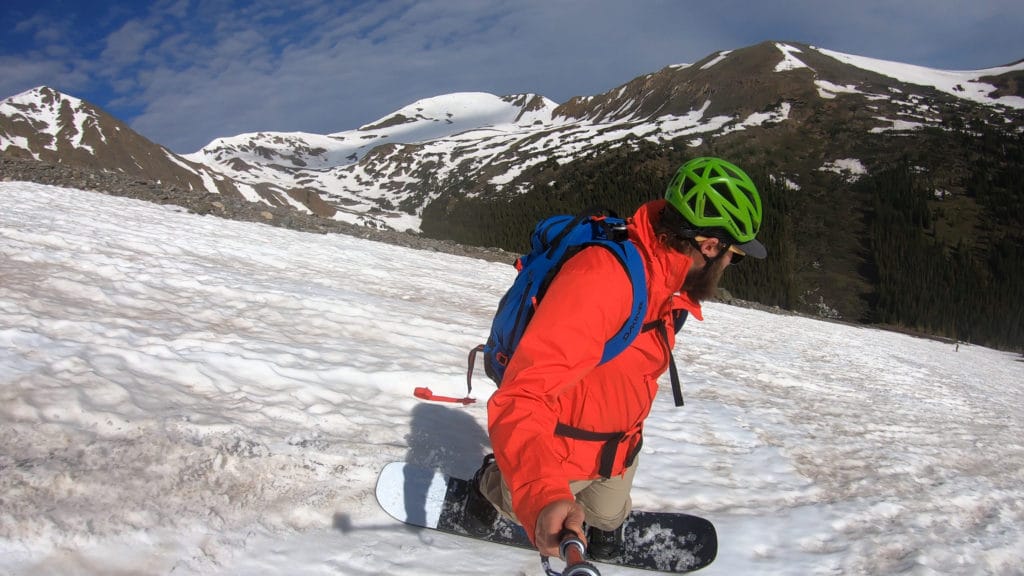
point(476, 168)
point(709, 97)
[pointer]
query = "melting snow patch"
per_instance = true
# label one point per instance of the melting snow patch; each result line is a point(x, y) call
point(829, 90)
point(851, 168)
point(896, 126)
point(721, 56)
point(789, 61)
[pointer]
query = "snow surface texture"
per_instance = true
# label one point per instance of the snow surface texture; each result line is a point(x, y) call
point(189, 395)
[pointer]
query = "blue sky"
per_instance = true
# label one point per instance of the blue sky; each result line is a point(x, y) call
point(183, 72)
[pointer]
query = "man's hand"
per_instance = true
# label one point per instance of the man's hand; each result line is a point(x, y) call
point(554, 519)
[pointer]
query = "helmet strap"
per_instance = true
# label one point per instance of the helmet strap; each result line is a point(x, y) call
point(688, 233)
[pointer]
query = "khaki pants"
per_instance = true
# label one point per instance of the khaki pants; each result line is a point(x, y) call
point(605, 501)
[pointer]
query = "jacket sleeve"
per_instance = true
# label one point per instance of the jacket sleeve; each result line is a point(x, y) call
point(587, 302)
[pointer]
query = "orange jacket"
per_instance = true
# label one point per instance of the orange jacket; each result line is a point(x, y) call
point(554, 376)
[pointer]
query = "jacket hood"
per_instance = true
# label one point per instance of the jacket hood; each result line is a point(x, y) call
point(666, 268)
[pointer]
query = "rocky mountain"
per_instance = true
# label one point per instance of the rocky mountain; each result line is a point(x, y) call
point(383, 174)
point(387, 172)
point(52, 127)
point(818, 127)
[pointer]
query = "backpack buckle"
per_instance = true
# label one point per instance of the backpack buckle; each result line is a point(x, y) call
point(618, 232)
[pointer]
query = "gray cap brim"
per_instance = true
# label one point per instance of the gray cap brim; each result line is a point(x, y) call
point(754, 249)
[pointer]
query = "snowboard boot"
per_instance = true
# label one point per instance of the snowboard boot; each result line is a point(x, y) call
point(479, 515)
point(603, 545)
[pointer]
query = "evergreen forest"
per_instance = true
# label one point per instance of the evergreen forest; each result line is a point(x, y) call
point(926, 242)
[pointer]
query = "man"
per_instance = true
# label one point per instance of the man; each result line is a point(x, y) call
point(554, 467)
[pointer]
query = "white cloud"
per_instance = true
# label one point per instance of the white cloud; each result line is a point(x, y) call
point(183, 73)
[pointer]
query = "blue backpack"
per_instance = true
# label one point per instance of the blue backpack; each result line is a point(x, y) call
point(553, 242)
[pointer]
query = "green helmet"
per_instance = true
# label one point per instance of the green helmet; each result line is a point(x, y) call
point(713, 194)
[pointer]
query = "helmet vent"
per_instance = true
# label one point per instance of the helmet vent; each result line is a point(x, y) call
point(723, 189)
point(710, 210)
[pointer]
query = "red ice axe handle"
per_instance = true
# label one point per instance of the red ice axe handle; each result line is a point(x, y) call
point(424, 393)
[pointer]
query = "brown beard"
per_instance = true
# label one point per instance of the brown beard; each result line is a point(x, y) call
point(702, 284)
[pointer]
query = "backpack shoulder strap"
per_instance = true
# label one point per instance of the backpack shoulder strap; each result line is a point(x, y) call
point(631, 261)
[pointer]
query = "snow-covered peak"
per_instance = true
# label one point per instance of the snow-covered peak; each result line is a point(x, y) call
point(966, 84)
point(422, 121)
point(41, 100)
point(449, 114)
point(51, 113)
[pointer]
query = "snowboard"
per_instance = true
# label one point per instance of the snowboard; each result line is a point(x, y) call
point(662, 541)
